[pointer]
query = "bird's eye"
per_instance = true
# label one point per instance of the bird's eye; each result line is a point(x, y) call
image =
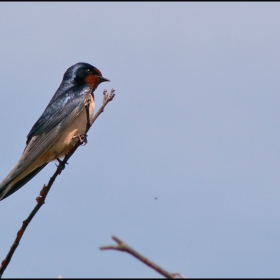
point(88, 70)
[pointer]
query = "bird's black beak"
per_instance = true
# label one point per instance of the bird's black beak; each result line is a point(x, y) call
point(102, 79)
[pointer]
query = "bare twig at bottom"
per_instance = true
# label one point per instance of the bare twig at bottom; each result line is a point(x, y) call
point(125, 248)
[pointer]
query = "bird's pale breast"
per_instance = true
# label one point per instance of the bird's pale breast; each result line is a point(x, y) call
point(64, 143)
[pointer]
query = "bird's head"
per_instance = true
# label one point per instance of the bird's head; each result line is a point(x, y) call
point(81, 73)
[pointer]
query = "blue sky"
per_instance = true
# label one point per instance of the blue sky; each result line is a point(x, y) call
point(195, 123)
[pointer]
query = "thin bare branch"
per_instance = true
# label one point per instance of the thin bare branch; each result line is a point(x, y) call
point(106, 99)
point(46, 188)
point(123, 247)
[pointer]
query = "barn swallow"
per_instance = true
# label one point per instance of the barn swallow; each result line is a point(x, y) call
point(53, 135)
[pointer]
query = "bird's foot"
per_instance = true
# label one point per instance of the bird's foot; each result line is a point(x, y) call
point(87, 102)
point(82, 138)
point(61, 164)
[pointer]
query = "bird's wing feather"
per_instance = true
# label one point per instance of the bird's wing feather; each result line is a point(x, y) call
point(58, 108)
point(52, 128)
point(21, 182)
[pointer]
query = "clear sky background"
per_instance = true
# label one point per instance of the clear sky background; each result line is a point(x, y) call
point(195, 123)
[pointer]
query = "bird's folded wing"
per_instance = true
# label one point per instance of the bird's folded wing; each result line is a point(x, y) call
point(38, 144)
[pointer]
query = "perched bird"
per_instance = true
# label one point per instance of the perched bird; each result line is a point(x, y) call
point(54, 133)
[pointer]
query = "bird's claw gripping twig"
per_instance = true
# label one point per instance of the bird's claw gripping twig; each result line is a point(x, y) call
point(82, 138)
point(61, 164)
point(87, 102)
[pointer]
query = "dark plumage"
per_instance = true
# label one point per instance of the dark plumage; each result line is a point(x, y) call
point(51, 136)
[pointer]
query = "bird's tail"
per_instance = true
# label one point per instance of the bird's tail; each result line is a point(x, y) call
point(7, 187)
